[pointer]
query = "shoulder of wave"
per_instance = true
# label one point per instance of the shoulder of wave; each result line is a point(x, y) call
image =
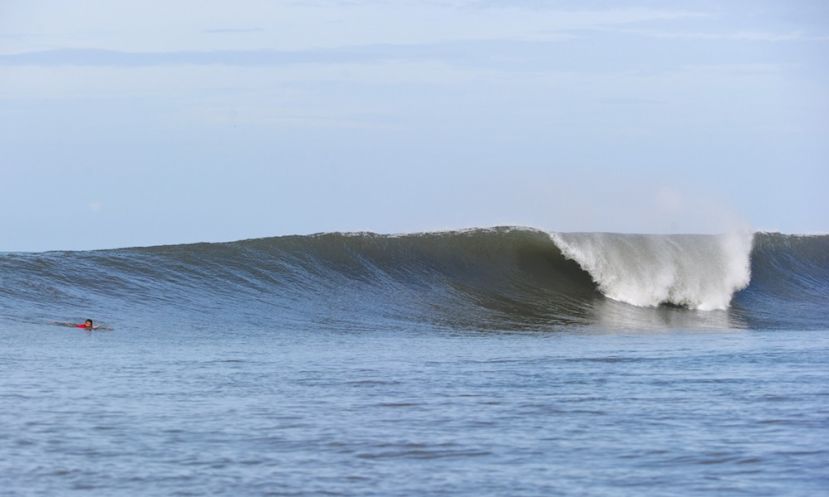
point(321, 234)
point(792, 235)
point(423, 233)
point(469, 231)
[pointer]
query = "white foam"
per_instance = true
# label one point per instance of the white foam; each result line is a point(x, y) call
point(697, 271)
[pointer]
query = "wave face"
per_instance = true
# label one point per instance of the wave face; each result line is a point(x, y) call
point(500, 278)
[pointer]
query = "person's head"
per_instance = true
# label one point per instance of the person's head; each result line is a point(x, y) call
point(88, 323)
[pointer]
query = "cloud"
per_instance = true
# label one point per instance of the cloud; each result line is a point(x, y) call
point(231, 31)
point(750, 36)
point(94, 57)
point(198, 25)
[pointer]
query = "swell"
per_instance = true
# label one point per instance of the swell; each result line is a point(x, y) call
point(503, 278)
point(789, 282)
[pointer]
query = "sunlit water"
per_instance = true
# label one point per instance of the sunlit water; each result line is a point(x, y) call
point(181, 410)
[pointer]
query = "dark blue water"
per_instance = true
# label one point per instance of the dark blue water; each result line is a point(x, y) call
point(480, 363)
point(176, 411)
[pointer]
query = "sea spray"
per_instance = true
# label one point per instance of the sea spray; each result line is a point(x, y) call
point(696, 271)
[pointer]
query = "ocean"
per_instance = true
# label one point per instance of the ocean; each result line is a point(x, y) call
point(485, 362)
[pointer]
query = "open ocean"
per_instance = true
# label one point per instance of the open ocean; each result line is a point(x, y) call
point(485, 362)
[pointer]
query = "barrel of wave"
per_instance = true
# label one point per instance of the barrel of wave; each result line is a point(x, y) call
point(695, 271)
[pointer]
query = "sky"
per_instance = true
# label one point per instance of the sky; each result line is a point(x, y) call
point(152, 122)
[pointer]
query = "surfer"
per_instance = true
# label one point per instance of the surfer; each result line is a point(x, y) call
point(86, 325)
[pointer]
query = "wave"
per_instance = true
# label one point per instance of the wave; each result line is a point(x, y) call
point(497, 278)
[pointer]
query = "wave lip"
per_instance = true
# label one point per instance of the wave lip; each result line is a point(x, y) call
point(700, 272)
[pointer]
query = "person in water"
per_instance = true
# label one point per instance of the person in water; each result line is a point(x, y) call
point(86, 325)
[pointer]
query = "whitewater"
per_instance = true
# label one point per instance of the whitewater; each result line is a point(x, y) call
point(698, 272)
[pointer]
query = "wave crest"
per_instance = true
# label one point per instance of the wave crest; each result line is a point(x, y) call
point(696, 271)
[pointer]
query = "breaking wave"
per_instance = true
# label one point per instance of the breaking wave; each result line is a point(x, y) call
point(498, 278)
point(695, 271)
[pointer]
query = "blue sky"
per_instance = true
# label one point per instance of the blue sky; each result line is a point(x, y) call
point(147, 122)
